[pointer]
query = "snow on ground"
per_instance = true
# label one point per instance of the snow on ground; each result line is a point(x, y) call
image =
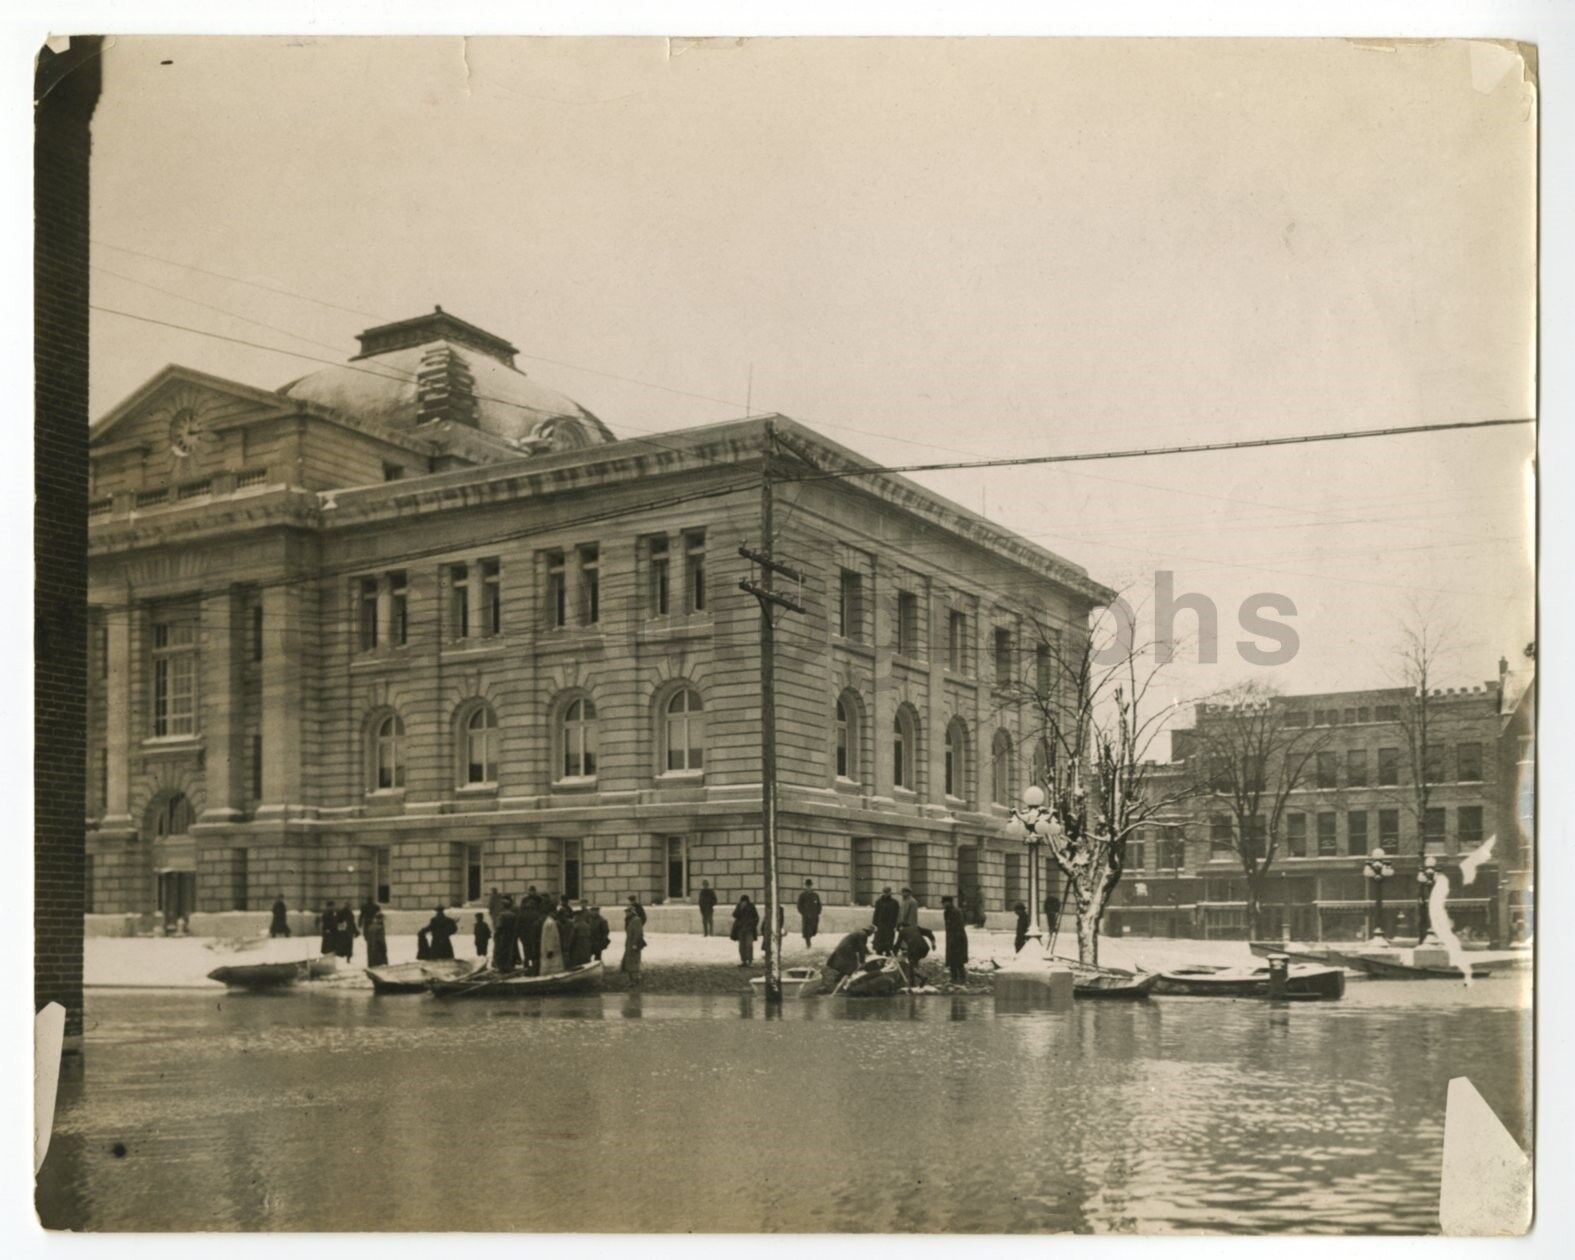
point(184, 962)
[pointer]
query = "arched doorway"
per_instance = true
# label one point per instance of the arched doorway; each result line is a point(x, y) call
point(167, 828)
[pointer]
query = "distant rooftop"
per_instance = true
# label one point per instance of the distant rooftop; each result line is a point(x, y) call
point(438, 326)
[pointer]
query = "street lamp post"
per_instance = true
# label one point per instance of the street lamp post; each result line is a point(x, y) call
point(1377, 870)
point(1426, 874)
point(1033, 825)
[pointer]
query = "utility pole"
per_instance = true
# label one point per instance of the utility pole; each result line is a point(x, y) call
point(764, 591)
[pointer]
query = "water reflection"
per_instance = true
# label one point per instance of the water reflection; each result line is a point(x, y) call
point(1167, 1115)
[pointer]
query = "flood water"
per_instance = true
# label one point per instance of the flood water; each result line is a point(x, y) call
point(344, 1111)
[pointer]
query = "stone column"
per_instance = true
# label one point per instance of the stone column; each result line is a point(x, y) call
point(283, 700)
point(221, 722)
point(117, 719)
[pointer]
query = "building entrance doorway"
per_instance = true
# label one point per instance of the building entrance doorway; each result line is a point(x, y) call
point(173, 850)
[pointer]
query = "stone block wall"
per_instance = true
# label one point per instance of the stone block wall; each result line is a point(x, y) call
point(122, 879)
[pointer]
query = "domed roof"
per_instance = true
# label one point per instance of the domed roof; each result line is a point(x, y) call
point(438, 368)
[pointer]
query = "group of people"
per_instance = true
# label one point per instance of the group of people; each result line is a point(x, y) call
point(895, 933)
point(544, 937)
point(340, 927)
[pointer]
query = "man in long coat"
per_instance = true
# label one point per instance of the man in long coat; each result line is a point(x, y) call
point(707, 901)
point(551, 962)
point(442, 929)
point(910, 910)
point(280, 925)
point(329, 924)
point(809, 912)
point(956, 941)
point(376, 934)
point(495, 901)
point(582, 938)
point(887, 912)
point(603, 931)
point(528, 925)
point(345, 933)
point(504, 945)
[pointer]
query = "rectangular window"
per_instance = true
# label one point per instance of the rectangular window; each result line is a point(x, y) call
point(1222, 834)
point(1468, 821)
point(473, 872)
point(393, 472)
point(1328, 770)
point(590, 585)
point(956, 641)
point(491, 597)
point(571, 869)
point(366, 614)
point(1468, 763)
point(1135, 855)
point(1296, 717)
point(257, 632)
point(174, 678)
point(907, 623)
point(459, 601)
point(1356, 832)
point(1328, 843)
point(677, 848)
point(1296, 834)
point(1350, 716)
point(850, 605)
point(660, 595)
point(1003, 656)
point(1356, 767)
point(1388, 767)
point(1364, 715)
point(1433, 763)
point(1388, 713)
point(557, 591)
point(239, 879)
point(694, 570)
point(1257, 836)
point(1389, 829)
point(398, 609)
point(381, 864)
point(1175, 848)
point(1433, 830)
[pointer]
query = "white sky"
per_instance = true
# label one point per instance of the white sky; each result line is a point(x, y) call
point(927, 249)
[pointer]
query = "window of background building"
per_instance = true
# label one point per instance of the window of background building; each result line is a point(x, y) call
point(1003, 656)
point(459, 601)
point(1364, 715)
point(393, 472)
point(907, 624)
point(1433, 763)
point(904, 751)
point(850, 605)
point(1328, 842)
point(579, 737)
point(480, 760)
point(684, 731)
point(1328, 770)
point(366, 614)
point(491, 597)
point(659, 570)
point(847, 740)
point(956, 640)
point(1434, 824)
point(1135, 855)
point(571, 869)
point(557, 591)
point(388, 754)
point(1389, 830)
point(590, 585)
point(1356, 767)
point(1222, 834)
point(1350, 716)
point(1296, 835)
point(1294, 717)
point(1174, 854)
point(1388, 767)
point(1001, 769)
point(694, 570)
point(677, 866)
point(1468, 763)
point(398, 608)
point(174, 677)
point(1468, 822)
point(956, 760)
point(381, 878)
point(1257, 836)
point(1356, 832)
point(473, 872)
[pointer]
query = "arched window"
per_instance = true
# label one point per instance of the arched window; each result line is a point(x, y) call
point(578, 738)
point(386, 764)
point(683, 731)
point(171, 816)
point(846, 737)
point(957, 760)
point(1001, 769)
point(478, 747)
point(904, 750)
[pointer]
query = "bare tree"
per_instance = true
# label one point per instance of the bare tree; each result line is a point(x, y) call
point(1421, 645)
point(1095, 723)
point(1247, 755)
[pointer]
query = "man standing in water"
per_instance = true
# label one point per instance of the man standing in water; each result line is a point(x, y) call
point(956, 941)
point(809, 912)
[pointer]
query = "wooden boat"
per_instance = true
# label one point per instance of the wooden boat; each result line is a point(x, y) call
point(416, 977)
point(1109, 983)
point(485, 982)
point(877, 978)
point(796, 982)
point(1397, 969)
point(1302, 983)
point(259, 975)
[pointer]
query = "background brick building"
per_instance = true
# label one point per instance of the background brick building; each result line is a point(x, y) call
point(415, 627)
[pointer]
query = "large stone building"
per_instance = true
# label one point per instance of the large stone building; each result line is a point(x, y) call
point(415, 626)
point(1184, 878)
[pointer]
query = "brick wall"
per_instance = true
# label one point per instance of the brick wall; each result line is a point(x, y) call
point(66, 87)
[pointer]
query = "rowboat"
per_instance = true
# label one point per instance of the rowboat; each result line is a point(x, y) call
point(416, 977)
point(1109, 983)
point(259, 975)
point(796, 982)
point(1301, 983)
point(485, 982)
point(884, 980)
point(1395, 969)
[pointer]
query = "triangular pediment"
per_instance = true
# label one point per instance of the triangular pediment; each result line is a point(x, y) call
point(183, 398)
